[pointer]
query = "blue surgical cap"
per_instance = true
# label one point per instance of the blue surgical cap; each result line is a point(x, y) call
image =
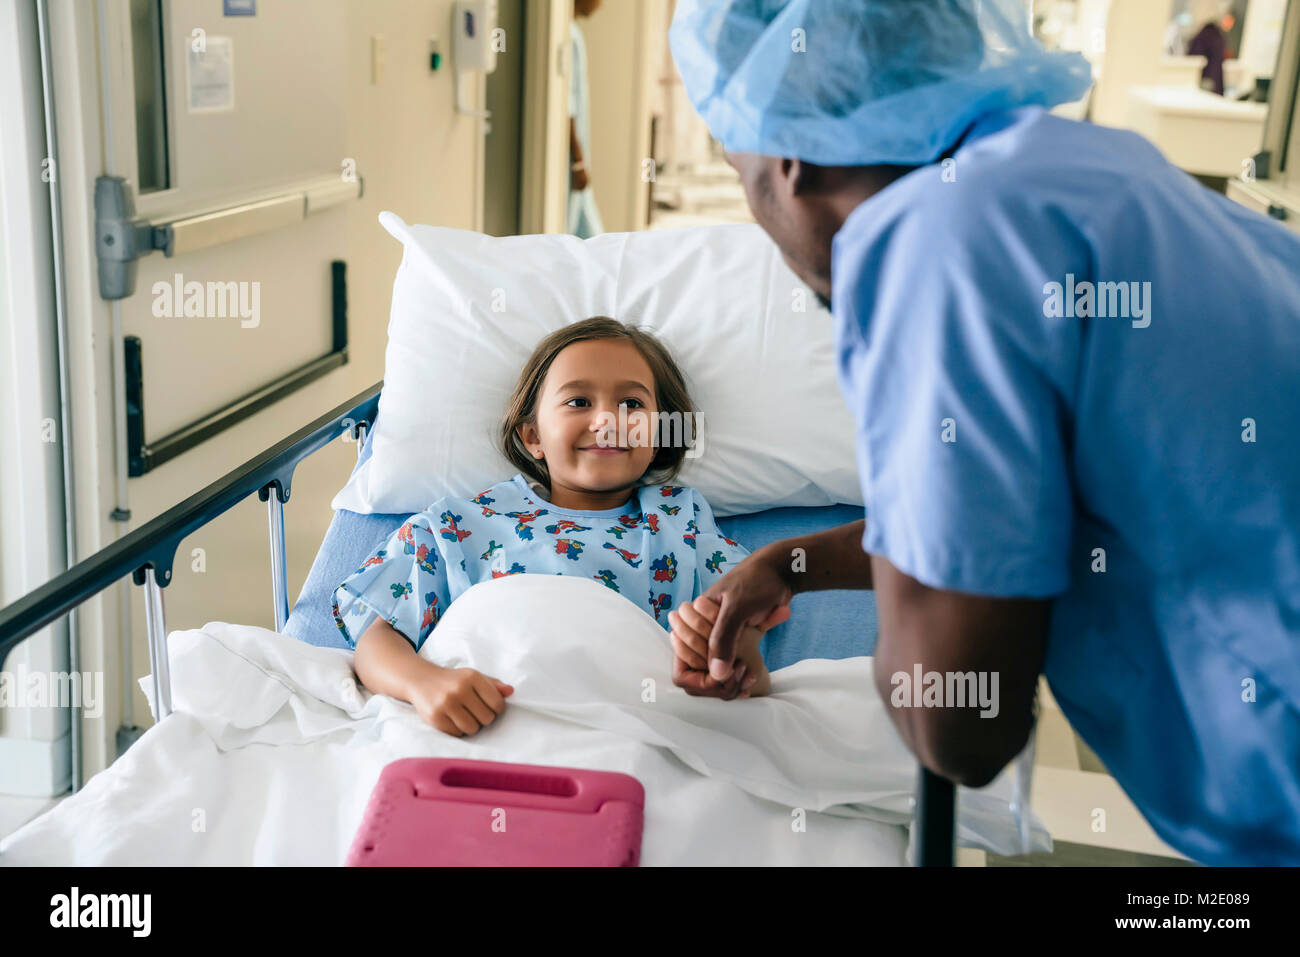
point(862, 82)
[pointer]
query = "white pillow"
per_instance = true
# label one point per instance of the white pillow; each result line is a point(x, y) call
point(755, 346)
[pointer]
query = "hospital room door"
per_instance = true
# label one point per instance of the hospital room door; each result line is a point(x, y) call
point(220, 212)
point(225, 137)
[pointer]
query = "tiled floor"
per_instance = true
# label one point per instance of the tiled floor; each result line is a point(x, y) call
point(1065, 854)
point(1091, 820)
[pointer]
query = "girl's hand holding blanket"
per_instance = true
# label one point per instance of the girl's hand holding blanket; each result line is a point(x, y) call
point(458, 701)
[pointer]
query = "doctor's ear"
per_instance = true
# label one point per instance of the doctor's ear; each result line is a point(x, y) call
point(802, 177)
point(794, 173)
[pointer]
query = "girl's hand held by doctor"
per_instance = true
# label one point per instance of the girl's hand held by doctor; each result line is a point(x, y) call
point(756, 594)
point(692, 623)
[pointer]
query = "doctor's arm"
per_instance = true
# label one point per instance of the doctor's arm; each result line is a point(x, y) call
point(950, 632)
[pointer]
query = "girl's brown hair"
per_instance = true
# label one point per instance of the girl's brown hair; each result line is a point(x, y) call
point(670, 394)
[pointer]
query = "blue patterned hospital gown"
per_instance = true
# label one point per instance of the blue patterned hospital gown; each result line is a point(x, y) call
point(659, 549)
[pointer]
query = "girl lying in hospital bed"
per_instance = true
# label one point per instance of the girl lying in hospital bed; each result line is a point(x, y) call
point(583, 427)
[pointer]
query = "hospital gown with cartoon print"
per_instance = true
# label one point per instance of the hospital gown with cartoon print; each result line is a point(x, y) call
point(659, 549)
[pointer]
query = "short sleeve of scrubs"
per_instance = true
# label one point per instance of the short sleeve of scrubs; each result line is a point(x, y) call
point(946, 362)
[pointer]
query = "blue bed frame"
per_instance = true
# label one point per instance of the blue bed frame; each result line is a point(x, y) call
point(148, 552)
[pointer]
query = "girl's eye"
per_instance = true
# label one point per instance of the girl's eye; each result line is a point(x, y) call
point(631, 402)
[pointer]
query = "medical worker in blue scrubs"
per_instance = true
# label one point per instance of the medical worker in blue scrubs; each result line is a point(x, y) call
point(1075, 376)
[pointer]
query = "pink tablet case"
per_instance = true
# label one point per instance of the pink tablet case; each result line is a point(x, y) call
point(449, 812)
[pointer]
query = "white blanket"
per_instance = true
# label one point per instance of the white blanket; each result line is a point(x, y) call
point(273, 748)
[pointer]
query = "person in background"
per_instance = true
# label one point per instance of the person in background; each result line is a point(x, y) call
point(1175, 35)
point(1211, 42)
point(583, 216)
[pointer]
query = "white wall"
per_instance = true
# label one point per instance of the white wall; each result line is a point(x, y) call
point(624, 40)
point(1261, 35)
point(683, 137)
point(1134, 42)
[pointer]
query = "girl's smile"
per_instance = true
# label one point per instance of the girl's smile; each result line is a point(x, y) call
point(594, 423)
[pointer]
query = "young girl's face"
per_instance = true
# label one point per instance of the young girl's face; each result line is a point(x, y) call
point(595, 422)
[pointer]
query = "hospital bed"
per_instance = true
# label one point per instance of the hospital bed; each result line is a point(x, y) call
point(147, 555)
point(826, 625)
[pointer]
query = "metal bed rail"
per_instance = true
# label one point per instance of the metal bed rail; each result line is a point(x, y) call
point(148, 552)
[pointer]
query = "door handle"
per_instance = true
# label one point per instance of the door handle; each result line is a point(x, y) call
point(121, 238)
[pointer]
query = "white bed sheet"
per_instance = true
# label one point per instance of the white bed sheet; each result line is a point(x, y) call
point(273, 748)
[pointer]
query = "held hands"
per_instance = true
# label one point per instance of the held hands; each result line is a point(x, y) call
point(459, 701)
point(692, 622)
point(755, 595)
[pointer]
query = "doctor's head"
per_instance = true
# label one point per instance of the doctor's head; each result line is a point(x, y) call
point(802, 206)
point(587, 412)
point(818, 99)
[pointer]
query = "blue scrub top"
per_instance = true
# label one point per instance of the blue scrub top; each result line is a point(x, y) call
point(1131, 451)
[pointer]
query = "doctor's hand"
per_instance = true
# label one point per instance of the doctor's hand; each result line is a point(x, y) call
point(692, 623)
point(756, 592)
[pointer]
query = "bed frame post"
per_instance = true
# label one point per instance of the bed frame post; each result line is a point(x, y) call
point(279, 571)
point(159, 666)
point(936, 816)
